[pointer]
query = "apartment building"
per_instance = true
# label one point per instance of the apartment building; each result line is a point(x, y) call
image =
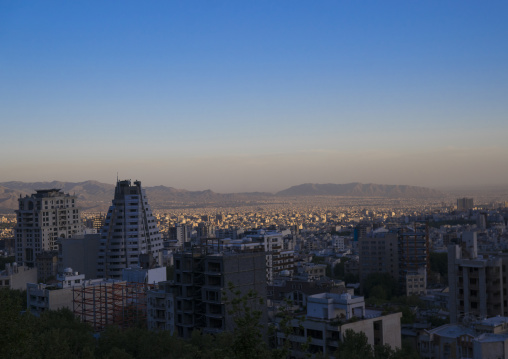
point(327, 318)
point(477, 282)
point(42, 218)
point(129, 231)
point(201, 295)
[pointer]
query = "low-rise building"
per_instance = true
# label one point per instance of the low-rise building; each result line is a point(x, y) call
point(16, 277)
point(487, 338)
point(327, 318)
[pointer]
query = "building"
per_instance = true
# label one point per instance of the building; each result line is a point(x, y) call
point(414, 259)
point(205, 230)
point(403, 253)
point(16, 277)
point(296, 292)
point(201, 295)
point(463, 204)
point(477, 282)
point(327, 318)
point(487, 338)
point(378, 253)
point(180, 234)
point(80, 253)
point(47, 265)
point(279, 255)
point(161, 307)
point(130, 231)
point(42, 297)
point(42, 218)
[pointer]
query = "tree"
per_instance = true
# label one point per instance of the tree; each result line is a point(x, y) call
point(247, 335)
point(384, 280)
point(355, 346)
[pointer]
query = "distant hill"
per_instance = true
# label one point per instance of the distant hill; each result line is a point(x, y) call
point(360, 190)
point(97, 196)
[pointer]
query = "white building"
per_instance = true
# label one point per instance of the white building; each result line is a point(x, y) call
point(483, 339)
point(130, 231)
point(42, 218)
point(328, 317)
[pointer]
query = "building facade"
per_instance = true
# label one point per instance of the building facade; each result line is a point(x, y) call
point(16, 277)
point(477, 282)
point(201, 295)
point(130, 232)
point(42, 218)
point(327, 318)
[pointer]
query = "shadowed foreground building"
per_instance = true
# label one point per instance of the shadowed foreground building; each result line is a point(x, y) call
point(199, 298)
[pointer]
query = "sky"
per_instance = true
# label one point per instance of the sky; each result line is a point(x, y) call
point(254, 95)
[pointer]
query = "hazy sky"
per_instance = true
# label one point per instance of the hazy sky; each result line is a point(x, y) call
point(255, 95)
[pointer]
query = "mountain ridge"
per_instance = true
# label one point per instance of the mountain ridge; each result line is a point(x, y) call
point(95, 195)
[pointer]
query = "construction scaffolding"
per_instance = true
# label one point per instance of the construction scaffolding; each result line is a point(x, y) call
point(111, 303)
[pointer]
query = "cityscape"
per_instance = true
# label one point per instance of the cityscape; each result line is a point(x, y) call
point(412, 275)
point(255, 179)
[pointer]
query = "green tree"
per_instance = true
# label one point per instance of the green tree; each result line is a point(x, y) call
point(383, 280)
point(247, 335)
point(355, 346)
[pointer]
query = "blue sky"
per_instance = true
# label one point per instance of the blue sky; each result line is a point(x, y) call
point(255, 95)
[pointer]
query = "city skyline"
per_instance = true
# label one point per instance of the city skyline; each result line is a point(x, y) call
point(239, 97)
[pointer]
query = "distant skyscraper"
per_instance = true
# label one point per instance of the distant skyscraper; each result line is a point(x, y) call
point(42, 218)
point(463, 204)
point(130, 231)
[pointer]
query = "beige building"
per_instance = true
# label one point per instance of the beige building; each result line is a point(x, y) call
point(42, 218)
point(327, 318)
point(16, 277)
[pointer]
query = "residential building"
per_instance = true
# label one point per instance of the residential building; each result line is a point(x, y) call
point(483, 339)
point(378, 253)
point(477, 282)
point(463, 204)
point(80, 253)
point(42, 218)
point(401, 252)
point(414, 259)
point(161, 307)
point(130, 231)
point(327, 318)
point(16, 277)
point(47, 265)
point(202, 298)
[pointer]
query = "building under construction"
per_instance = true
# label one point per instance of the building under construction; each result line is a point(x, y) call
point(414, 259)
point(111, 302)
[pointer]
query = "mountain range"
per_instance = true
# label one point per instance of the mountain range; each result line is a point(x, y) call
point(97, 196)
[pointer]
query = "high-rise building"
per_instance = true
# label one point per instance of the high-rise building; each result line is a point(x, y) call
point(180, 233)
point(42, 218)
point(401, 252)
point(378, 253)
point(463, 204)
point(130, 232)
point(477, 282)
point(201, 289)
